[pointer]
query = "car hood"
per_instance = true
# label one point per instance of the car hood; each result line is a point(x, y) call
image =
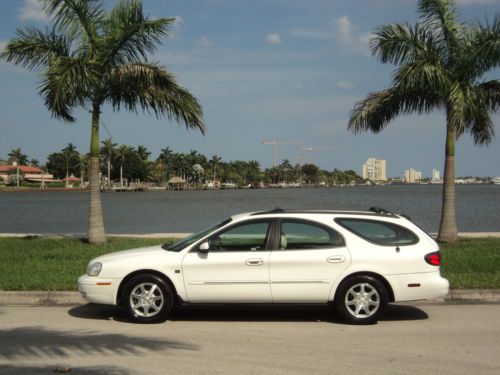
point(141, 252)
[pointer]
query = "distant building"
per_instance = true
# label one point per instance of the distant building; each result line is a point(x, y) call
point(411, 176)
point(28, 173)
point(375, 169)
point(435, 175)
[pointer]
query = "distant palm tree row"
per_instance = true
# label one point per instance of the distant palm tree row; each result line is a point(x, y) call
point(124, 163)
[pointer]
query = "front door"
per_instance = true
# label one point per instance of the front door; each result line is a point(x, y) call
point(310, 258)
point(236, 267)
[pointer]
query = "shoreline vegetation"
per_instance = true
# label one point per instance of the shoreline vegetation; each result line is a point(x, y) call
point(49, 264)
point(136, 171)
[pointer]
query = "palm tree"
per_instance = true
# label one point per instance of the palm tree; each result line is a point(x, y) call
point(122, 153)
point(214, 163)
point(18, 156)
point(92, 57)
point(143, 152)
point(70, 157)
point(107, 152)
point(441, 65)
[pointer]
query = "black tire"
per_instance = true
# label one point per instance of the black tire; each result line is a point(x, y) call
point(147, 298)
point(361, 300)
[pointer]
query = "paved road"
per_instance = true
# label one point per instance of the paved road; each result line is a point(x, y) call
point(426, 339)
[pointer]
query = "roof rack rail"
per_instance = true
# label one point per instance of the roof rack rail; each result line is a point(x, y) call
point(277, 210)
point(381, 211)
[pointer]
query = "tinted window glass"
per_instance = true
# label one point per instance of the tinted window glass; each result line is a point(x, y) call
point(379, 232)
point(242, 237)
point(299, 235)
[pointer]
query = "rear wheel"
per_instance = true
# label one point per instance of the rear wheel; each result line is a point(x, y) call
point(361, 300)
point(148, 299)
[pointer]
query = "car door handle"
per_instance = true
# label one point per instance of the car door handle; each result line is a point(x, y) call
point(254, 262)
point(336, 259)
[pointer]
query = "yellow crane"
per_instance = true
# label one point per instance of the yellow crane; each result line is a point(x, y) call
point(275, 144)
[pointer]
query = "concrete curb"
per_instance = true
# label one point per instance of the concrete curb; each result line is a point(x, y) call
point(55, 298)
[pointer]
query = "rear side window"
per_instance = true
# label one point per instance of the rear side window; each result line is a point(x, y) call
point(379, 232)
point(304, 235)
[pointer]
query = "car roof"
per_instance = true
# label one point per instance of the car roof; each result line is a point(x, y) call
point(373, 211)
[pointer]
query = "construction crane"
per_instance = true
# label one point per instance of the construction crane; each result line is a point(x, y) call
point(275, 144)
point(310, 149)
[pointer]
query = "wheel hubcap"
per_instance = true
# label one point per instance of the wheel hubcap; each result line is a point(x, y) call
point(362, 300)
point(146, 300)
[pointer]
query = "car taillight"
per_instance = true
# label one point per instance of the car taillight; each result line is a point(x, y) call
point(434, 259)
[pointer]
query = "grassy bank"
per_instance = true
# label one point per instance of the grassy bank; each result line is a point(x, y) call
point(55, 264)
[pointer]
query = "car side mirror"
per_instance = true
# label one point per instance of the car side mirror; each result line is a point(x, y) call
point(204, 247)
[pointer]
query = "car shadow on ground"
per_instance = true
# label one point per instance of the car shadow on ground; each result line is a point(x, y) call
point(248, 313)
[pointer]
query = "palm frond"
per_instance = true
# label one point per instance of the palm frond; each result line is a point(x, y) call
point(64, 85)
point(421, 76)
point(440, 17)
point(32, 48)
point(378, 109)
point(77, 18)
point(153, 89)
point(402, 43)
point(482, 51)
point(130, 35)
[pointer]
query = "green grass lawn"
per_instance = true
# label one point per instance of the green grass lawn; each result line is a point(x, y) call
point(55, 264)
point(472, 263)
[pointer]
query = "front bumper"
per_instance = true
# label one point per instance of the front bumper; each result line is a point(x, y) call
point(97, 290)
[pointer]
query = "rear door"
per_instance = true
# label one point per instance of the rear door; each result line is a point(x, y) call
point(307, 260)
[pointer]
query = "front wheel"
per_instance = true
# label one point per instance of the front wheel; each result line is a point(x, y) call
point(148, 299)
point(361, 300)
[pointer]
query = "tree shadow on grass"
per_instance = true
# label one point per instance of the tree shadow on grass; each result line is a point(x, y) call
point(249, 313)
point(98, 370)
point(34, 342)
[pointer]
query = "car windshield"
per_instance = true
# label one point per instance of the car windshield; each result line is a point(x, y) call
point(179, 245)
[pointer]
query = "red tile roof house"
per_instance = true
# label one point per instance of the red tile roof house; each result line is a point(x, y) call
point(32, 174)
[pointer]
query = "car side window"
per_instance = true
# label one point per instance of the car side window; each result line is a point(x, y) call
point(242, 237)
point(303, 235)
point(379, 232)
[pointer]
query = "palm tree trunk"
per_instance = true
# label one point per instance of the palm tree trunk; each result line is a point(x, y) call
point(67, 182)
point(121, 175)
point(448, 226)
point(96, 223)
point(109, 171)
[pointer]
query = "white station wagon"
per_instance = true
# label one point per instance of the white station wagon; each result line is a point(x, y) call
point(356, 261)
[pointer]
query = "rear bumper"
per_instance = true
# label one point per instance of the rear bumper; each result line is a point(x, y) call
point(97, 290)
point(418, 286)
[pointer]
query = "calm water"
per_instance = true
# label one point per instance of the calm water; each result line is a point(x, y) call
point(478, 207)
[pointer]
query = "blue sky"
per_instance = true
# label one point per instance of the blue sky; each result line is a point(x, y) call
point(263, 70)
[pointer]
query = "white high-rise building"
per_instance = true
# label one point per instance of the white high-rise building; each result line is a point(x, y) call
point(375, 169)
point(411, 175)
point(435, 175)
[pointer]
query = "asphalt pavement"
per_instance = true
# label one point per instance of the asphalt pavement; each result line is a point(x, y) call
point(91, 339)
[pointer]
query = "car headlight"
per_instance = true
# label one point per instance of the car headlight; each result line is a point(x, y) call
point(93, 269)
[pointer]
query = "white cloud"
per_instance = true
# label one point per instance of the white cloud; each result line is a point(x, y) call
point(340, 30)
point(32, 10)
point(176, 26)
point(273, 38)
point(204, 42)
point(344, 85)
point(348, 37)
point(3, 44)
